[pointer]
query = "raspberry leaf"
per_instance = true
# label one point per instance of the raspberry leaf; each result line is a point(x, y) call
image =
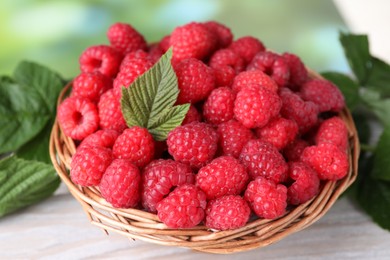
point(379, 77)
point(149, 101)
point(23, 183)
point(381, 167)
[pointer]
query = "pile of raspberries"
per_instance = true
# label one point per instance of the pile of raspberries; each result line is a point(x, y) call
point(260, 136)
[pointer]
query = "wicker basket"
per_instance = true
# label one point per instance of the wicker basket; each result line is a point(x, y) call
point(138, 224)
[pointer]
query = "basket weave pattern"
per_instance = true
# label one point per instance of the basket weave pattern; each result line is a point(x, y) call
point(138, 224)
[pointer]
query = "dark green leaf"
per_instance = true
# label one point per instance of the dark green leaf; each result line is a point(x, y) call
point(381, 168)
point(364, 130)
point(22, 115)
point(24, 183)
point(356, 49)
point(170, 119)
point(380, 107)
point(45, 82)
point(379, 77)
point(348, 87)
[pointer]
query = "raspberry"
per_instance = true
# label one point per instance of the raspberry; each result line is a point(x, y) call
point(160, 177)
point(155, 53)
point(293, 151)
point(194, 144)
point(306, 184)
point(224, 175)
point(164, 44)
point(253, 77)
point(303, 112)
point(266, 198)
point(103, 138)
point(91, 85)
point(192, 116)
point(223, 33)
point(247, 47)
point(279, 132)
point(226, 213)
point(219, 106)
point(135, 144)
point(129, 57)
point(124, 38)
point(120, 184)
point(327, 160)
point(192, 40)
point(78, 117)
point(333, 130)
point(224, 75)
point(182, 208)
point(101, 58)
point(324, 94)
point(255, 106)
point(110, 113)
point(130, 72)
point(232, 137)
point(196, 80)
point(263, 159)
point(159, 148)
point(271, 64)
point(298, 71)
point(227, 57)
point(89, 164)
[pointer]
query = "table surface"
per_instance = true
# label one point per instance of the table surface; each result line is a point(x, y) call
point(59, 229)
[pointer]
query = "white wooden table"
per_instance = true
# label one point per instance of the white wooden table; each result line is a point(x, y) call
point(59, 229)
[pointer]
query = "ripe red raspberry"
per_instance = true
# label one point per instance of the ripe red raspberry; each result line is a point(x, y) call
point(129, 72)
point(224, 76)
point(267, 199)
point(272, 64)
point(279, 132)
point(101, 58)
point(253, 77)
point(227, 57)
point(293, 151)
point(155, 52)
point(192, 40)
point(192, 116)
point(164, 43)
point(298, 71)
point(232, 137)
point(124, 38)
point(89, 164)
point(110, 113)
point(120, 184)
point(333, 130)
point(104, 138)
point(247, 47)
point(226, 213)
point(78, 117)
point(194, 144)
point(223, 33)
point(255, 106)
point(91, 85)
point(160, 177)
point(263, 159)
point(135, 144)
point(183, 208)
point(219, 106)
point(306, 184)
point(324, 94)
point(327, 160)
point(305, 113)
point(224, 175)
point(129, 57)
point(196, 80)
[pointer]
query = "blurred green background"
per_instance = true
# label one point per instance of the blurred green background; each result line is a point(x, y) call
point(54, 33)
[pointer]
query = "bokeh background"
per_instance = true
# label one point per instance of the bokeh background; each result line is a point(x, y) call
point(54, 33)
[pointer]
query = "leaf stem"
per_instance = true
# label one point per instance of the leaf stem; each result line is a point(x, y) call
point(367, 147)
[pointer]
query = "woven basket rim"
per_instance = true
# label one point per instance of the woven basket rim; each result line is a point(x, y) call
point(142, 225)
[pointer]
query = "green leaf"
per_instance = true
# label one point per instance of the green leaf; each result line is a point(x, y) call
point(348, 87)
point(356, 49)
point(22, 115)
point(168, 121)
point(24, 183)
point(379, 77)
point(363, 126)
point(381, 168)
point(148, 101)
point(380, 107)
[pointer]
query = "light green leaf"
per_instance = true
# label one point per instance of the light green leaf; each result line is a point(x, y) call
point(170, 119)
point(380, 107)
point(24, 183)
point(356, 49)
point(348, 87)
point(381, 168)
